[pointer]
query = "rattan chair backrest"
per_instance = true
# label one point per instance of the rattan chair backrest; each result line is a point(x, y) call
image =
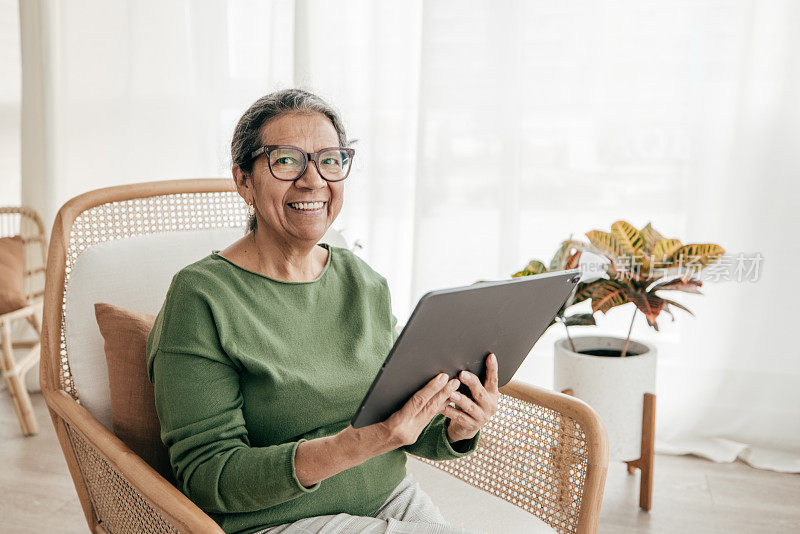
point(125, 252)
point(26, 222)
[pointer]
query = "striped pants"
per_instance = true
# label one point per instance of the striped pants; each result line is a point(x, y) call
point(408, 510)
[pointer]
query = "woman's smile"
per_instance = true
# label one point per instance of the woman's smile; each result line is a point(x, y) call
point(307, 208)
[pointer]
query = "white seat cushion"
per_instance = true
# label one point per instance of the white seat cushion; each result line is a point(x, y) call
point(466, 506)
point(134, 273)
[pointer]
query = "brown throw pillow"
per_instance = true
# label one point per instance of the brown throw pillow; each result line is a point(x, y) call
point(133, 406)
point(12, 273)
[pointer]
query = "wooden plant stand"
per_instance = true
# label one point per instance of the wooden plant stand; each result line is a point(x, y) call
point(645, 461)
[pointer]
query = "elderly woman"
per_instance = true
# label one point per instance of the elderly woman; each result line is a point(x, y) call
point(262, 352)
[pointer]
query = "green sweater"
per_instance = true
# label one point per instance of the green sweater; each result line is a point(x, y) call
point(246, 367)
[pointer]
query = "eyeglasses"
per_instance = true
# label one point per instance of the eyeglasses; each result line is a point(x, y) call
point(288, 162)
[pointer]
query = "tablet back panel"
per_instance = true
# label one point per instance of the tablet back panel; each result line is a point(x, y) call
point(455, 329)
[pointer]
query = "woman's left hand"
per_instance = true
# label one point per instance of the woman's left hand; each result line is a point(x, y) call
point(470, 415)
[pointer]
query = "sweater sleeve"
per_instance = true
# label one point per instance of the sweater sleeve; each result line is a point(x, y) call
point(199, 403)
point(433, 444)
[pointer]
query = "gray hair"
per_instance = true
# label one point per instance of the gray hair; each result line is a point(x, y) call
point(247, 135)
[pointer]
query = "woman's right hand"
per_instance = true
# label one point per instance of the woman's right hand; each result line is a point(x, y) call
point(405, 425)
point(320, 458)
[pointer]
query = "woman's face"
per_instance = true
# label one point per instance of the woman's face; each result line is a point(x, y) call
point(272, 197)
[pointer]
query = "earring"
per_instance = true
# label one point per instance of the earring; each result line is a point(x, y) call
point(251, 210)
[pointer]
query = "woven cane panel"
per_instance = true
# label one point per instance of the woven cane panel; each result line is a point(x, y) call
point(144, 216)
point(25, 222)
point(530, 456)
point(117, 504)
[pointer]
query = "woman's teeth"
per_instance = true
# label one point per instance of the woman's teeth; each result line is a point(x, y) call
point(306, 206)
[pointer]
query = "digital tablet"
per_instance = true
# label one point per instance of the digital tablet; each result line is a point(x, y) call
point(456, 328)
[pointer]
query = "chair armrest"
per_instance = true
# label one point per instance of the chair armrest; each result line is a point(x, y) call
point(29, 309)
point(127, 495)
point(542, 451)
point(595, 439)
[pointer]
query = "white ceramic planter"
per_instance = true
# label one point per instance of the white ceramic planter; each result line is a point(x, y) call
point(613, 386)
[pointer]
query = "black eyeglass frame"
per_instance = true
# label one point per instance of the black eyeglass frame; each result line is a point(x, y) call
point(308, 156)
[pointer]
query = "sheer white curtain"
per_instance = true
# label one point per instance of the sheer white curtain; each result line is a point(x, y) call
point(540, 120)
point(10, 95)
point(142, 90)
point(487, 132)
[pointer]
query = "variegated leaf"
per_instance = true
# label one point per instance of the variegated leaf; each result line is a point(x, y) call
point(580, 319)
point(663, 251)
point(667, 310)
point(679, 305)
point(607, 294)
point(678, 284)
point(696, 255)
point(628, 237)
point(583, 291)
point(533, 267)
point(561, 256)
point(649, 304)
point(651, 237)
point(637, 265)
point(605, 242)
point(573, 261)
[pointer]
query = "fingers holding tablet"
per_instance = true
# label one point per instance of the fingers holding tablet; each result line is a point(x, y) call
point(405, 425)
point(469, 415)
point(492, 373)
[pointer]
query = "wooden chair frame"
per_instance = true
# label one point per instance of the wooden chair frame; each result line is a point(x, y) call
point(120, 493)
point(31, 228)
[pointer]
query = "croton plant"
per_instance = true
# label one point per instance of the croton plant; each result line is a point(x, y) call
point(640, 264)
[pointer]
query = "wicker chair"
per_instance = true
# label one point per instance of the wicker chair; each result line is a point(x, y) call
point(545, 452)
point(24, 222)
